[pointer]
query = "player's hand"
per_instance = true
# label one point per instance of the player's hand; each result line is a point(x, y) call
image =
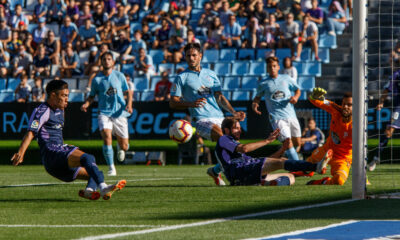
point(84, 107)
point(318, 94)
point(255, 106)
point(199, 103)
point(129, 108)
point(293, 100)
point(274, 135)
point(239, 116)
point(17, 159)
point(379, 106)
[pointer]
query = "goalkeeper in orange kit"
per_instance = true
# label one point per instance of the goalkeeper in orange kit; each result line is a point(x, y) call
point(338, 146)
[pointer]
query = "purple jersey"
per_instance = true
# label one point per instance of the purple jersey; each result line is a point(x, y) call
point(393, 86)
point(225, 150)
point(47, 125)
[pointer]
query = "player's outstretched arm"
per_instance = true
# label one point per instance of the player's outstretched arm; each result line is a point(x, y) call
point(129, 100)
point(176, 103)
point(224, 103)
point(256, 104)
point(18, 157)
point(382, 99)
point(249, 147)
point(318, 94)
point(87, 103)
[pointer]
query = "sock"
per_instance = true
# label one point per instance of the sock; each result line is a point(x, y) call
point(383, 141)
point(102, 186)
point(217, 169)
point(283, 181)
point(296, 165)
point(108, 153)
point(91, 185)
point(89, 163)
point(292, 154)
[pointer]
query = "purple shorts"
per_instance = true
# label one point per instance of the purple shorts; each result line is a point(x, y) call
point(244, 172)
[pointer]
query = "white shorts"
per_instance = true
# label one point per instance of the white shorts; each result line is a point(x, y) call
point(119, 126)
point(289, 128)
point(204, 126)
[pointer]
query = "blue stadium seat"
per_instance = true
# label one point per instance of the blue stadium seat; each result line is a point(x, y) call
point(82, 84)
point(249, 82)
point(308, 68)
point(231, 83)
point(263, 53)
point(281, 53)
point(76, 97)
point(181, 66)
point(157, 55)
point(303, 95)
point(136, 96)
point(141, 83)
point(306, 82)
point(240, 95)
point(128, 69)
point(242, 21)
point(246, 54)
point(3, 84)
point(206, 65)
point(227, 94)
point(306, 54)
point(258, 68)
point(240, 68)
point(196, 13)
point(166, 67)
point(147, 96)
point(210, 56)
point(135, 26)
point(6, 96)
point(154, 81)
point(326, 40)
point(31, 27)
point(324, 54)
point(12, 83)
point(222, 68)
point(200, 3)
point(227, 54)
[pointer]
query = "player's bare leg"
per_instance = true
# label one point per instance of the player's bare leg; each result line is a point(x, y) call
point(215, 172)
point(108, 151)
point(122, 147)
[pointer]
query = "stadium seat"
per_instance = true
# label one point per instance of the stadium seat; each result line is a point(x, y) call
point(231, 83)
point(306, 82)
point(83, 57)
point(136, 96)
point(147, 96)
point(242, 21)
point(157, 55)
point(210, 55)
point(154, 81)
point(135, 26)
point(263, 53)
point(196, 13)
point(306, 54)
point(240, 68)
point(326, 40)
point(128, 69)
point(324, 55)
point(55, 28)
point(45, 82)
point(180, 66)
point(6, 96)
point(140, 83)
point(12, 84)
point(31, 27)
point(227, 94)
point(206, 65)
point(222, 68)
point(249, 82)
point(227, 54)
point(246, 54)
point(308, 68)
point(281, 53)
point(3, 84)
point(240, 95)
point(200, 3)
point(82, 84)
point(258, 68)
point(30, 4)
point(166, 67)
point(75, 96)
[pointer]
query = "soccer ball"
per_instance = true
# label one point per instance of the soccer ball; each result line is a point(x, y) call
point(181, 131)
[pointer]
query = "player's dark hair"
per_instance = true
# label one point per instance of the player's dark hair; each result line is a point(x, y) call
point(228, 122)
point(196, 46)
point(55, 85)
point(272, 59)
point(105, 54)
point(348, 95)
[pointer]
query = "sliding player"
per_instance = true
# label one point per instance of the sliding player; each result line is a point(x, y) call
point(199, 90)
point(110, 86)
point(62, 161)
point(391, 87)
point(241, 169)
point(338, 146)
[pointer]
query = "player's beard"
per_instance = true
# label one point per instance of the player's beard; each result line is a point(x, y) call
point(236, 135)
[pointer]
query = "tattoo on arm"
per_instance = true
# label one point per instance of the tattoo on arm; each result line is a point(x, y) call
point(223, 102)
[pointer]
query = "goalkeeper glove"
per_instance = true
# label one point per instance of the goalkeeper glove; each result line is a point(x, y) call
point(318, 94)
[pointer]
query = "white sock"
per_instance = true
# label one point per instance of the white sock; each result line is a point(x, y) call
point(89, 189)
point(102, 185)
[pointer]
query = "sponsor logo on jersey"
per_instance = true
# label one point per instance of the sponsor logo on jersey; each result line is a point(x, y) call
point(204, 91)
point(278, 95)
point(111, 91)
point(35, 124)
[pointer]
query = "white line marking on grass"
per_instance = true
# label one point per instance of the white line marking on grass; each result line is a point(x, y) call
point(303, 231)
point(219, 220)
point(81, 182)
point(74, 226)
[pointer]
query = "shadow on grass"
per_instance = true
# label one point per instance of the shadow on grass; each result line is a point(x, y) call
point(66, 200)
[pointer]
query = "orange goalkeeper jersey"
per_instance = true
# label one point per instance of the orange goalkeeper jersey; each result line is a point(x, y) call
point(340, 134)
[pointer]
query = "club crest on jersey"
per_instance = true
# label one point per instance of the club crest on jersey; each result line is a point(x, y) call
point(35, 124)
point(204, 91)
point(278, 95)
point(111, 91)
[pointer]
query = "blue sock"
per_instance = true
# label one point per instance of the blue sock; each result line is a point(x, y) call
point(292, 154)
point(91, 184)
point(108, 153)
point(283, 181)
point(89, 163)
point(217, 169)
point(296, 165)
